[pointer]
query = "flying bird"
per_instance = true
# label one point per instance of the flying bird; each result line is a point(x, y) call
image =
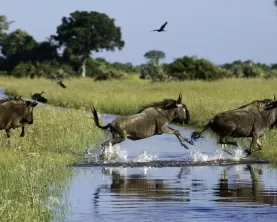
point(60, 83)
point(161, 29)
point(38, 97)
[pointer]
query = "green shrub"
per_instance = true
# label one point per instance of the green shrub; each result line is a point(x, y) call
point(193, 68)
point(42, 69)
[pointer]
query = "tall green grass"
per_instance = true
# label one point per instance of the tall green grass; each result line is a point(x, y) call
point(34, 168)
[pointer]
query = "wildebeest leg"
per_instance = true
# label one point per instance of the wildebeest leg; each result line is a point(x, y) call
point(184, 138)
point(252, 145)
point(22, 131)
point(223, 142)
point(8, 132)
point(259, 144)
point(176, 133)
point(114, 140)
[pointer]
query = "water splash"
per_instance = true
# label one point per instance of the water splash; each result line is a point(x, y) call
point(198, 156)
point(114, 154)
point(144, 157)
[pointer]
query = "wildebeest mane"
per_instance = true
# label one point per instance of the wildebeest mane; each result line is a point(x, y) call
point(264, 101)
point(164, 104)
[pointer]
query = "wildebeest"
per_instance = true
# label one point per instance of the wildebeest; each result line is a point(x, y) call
point(38, 97)
point(152, 119)
point(14, 113)
point(250, 120)
point(60, 83)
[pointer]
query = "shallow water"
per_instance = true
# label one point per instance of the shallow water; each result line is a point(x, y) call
point(204, 188)
point(198, 193)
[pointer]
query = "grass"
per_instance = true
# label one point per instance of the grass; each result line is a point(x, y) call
point(34, 169)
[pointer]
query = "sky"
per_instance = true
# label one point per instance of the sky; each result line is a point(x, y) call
point(219, 30)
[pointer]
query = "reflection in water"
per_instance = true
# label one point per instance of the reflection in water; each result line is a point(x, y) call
point(139, 186)
point(245, 191)
point(196, 193)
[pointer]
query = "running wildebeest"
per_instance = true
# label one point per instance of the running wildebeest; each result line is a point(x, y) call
point(251, 120)
point(161, 29)
point(38, 97)
point(60, 83)
point(152, 119)
point(15, 112)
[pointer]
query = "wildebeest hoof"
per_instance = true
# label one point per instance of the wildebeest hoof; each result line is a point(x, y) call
point(101, 157)
point(247, 152)
point(191, 142)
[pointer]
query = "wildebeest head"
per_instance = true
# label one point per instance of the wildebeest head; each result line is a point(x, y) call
point(28, 113)
point(271, 106)
point(182, 114)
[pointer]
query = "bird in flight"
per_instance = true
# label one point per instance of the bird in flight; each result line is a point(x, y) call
point(61, 84)
point(161, 29)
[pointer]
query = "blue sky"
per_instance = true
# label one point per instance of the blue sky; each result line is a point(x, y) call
point(219, 30)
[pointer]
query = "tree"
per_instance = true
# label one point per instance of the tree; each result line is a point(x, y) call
point(17, 42)
point(4, 26)
point(154, 56)
point(83, 32)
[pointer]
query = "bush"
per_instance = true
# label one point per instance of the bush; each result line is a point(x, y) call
point(103, 73)
point(42, 69)
point(154, 71)
point(247, 69)
point(100, 69)
point(193, 68)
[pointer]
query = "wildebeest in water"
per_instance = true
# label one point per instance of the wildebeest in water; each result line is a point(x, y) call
point(251, 120)
point(152, 119)
point(38, 97)
point(15, 112)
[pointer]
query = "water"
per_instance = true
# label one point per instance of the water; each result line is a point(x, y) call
point(206, 193)
point(202, 187)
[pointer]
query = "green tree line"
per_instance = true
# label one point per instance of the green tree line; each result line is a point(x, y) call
point(69, 52)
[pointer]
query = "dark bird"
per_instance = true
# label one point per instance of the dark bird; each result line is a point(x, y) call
point(38, 97)
point(161, 29)
point(60, 83)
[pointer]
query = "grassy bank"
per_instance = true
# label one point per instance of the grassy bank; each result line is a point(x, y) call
point(204, 99)
point(33, 169)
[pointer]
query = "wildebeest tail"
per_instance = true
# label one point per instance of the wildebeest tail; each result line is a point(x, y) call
point(96, 119)
point(197, 134)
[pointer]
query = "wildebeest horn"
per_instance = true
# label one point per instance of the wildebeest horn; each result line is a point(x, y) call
point(274, 97)
point(179, 100)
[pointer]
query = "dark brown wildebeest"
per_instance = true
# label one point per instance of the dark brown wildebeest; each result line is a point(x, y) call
point(152, 119)
point(38, 97)
point(250, 120)
point(14, 113)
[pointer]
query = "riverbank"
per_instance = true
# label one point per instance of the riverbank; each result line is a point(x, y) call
point(204, 99)
point(34, 170)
